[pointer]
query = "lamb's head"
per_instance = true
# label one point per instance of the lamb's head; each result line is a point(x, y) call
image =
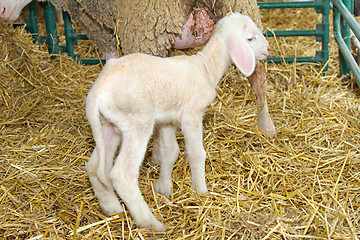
point(245, 42)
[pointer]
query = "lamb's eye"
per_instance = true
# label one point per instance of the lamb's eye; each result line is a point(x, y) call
point(251, 39)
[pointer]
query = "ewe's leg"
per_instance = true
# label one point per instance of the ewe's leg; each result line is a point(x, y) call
point(168, 151)
point(108, 200)
point(125, 173)
point(259, 86)
point(192, 130)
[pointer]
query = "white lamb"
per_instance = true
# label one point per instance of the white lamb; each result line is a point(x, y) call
point(138, 95)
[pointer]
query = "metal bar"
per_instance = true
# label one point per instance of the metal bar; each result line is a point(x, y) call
point(69, 37)
point(294, 33)
point(31, 22)
point(344, 48)
point(346, 14)
point(271, 5)
point(94, 61)
point(345, 33)
point(325, 38)
point(52, 38)
point(291, 59)
point(82, 37)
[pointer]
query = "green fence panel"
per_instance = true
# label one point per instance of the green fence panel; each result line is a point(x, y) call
point(71, 39)
point(343, 22)
point(321, 32)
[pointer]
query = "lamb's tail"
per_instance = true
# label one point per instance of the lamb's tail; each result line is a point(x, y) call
point(93, 116)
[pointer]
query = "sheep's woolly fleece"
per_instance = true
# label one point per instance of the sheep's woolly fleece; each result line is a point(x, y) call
point(304, 184)
point(145, 26)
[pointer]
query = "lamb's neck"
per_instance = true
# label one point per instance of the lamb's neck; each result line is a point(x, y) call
point(215, 59)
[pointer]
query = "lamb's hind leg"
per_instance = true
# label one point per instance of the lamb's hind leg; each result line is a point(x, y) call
point(108, 201)
point(259, 85)
point(125, 173)
point(168, 151)
point(155, 158)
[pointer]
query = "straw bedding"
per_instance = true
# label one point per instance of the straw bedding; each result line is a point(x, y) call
point(304, 184)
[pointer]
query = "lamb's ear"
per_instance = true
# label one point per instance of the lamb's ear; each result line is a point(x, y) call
point(241, 54)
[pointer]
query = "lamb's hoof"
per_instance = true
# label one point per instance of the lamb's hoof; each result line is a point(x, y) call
point(112, 208)
point(201, 189)
point(163, 187)
point(154, 226)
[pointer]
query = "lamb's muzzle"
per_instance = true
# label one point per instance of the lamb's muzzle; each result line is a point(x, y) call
point(140, 94)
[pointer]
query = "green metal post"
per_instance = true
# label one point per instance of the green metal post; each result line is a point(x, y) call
point(70, 37)
point(31, 22)
point(324, 38)
point(50, 22)
point(345, 33)
point(343, 48)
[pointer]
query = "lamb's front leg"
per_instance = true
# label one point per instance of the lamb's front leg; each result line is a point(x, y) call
point(259, 85)
point(192, 130)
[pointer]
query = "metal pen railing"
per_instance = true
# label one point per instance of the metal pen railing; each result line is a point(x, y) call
point(321, 32)
point(343, 22)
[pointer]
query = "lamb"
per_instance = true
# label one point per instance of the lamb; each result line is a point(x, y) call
point(138, 95)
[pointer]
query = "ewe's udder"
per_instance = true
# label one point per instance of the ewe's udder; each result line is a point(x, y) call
point(196, 30)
